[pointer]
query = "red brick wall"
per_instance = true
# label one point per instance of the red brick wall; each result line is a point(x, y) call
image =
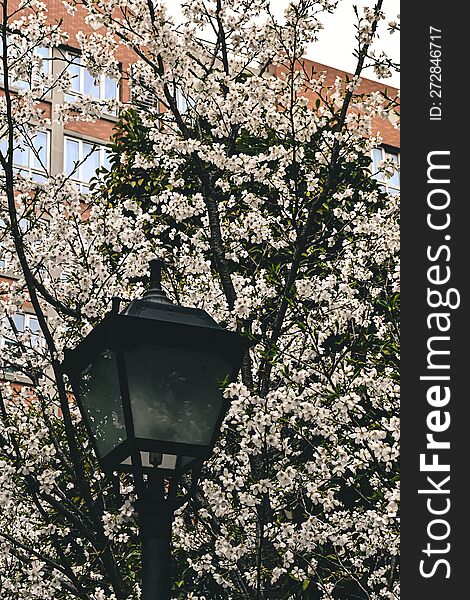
point(390, 135)
point(101, 129)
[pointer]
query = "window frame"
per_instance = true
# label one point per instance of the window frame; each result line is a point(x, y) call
point(10, 373)
point(19, 85)
point(75, 175)
point(24, 225)
point(27, 316)
point(30, 170)
point(385, 182)
point(71, 95)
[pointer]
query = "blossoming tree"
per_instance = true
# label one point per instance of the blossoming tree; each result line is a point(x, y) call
point(258, 194)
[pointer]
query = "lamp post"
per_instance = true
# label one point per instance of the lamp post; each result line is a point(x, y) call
point(148, 382)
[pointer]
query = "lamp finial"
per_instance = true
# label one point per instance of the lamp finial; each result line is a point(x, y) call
point(154, 292)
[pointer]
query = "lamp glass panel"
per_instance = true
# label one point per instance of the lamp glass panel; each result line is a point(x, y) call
point(175, 393)
point(101, 399)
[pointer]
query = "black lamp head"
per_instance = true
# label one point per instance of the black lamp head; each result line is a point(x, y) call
point(149, 382)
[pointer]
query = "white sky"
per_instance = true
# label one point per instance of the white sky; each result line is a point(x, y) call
point(336, 41)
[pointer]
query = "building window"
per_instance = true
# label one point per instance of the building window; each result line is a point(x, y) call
point(181, 101)
point(82, 159)
point(24, 224)
point(30, 156)
point(40, 66)
point(24, 323)
point(390, 182)
point(83, 84)
point(27, 335)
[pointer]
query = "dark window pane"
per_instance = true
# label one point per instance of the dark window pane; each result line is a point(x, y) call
point(175, 394)
point(101, 399)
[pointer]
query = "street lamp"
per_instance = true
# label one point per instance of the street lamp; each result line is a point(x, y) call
point(149, 383)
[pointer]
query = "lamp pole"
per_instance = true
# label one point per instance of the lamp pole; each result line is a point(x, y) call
point(155, 517)
point(148, 384)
